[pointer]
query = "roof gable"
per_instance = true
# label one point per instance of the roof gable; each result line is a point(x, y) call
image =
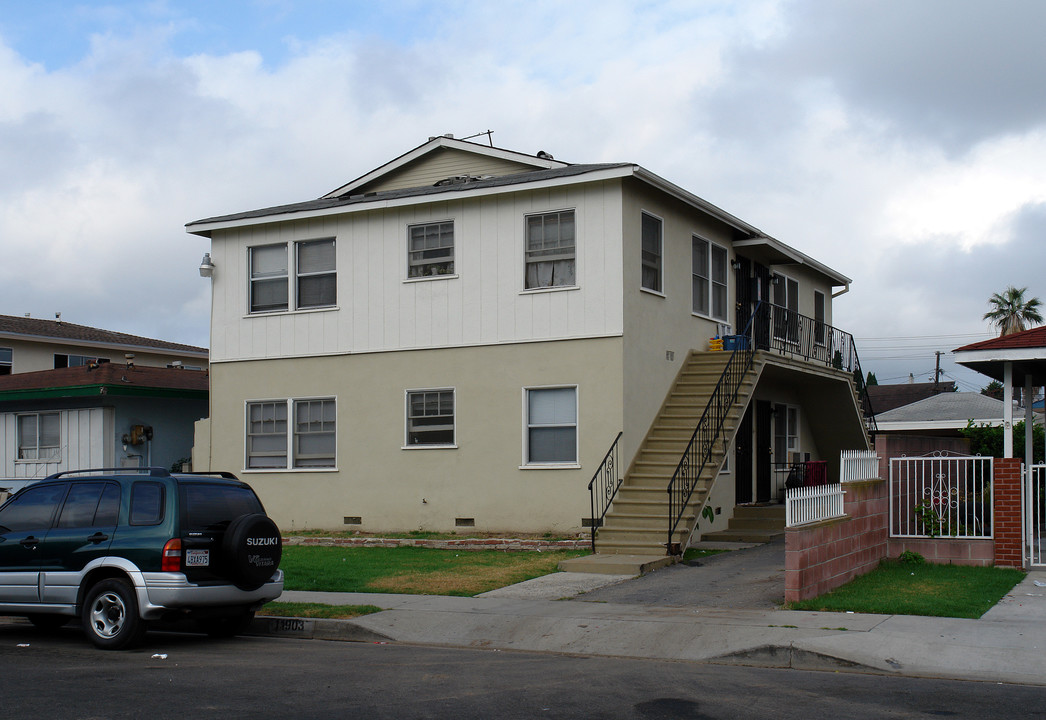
point(443, 157)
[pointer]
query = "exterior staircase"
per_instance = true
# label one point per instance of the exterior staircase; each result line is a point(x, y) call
point(752, 524)
point(637, 523)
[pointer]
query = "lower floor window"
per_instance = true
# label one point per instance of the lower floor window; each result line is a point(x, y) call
point(551, 415)
point(430, 417)
point(39, 436)
point(310, 445)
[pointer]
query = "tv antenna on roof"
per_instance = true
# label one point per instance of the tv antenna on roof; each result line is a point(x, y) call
point(488, 133)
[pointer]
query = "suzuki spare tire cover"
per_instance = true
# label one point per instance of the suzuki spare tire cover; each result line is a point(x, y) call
point(252, 549)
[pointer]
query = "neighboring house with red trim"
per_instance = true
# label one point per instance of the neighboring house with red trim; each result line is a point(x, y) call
point(72, 398)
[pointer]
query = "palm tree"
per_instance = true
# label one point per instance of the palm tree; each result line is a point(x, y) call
point(1010, 312)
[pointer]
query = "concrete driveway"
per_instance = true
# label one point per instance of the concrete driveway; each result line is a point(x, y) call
point(748, 579)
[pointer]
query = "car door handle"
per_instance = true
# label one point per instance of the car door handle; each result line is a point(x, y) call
point(97, 538)
point(30, 542)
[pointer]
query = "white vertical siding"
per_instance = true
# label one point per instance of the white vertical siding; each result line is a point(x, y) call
point(87, 442)
point(378, 310)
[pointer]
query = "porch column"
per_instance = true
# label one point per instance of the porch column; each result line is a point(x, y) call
point(1007, 411)
point(1029, 424)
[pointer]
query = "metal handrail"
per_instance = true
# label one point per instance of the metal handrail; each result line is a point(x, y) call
point(770, 327)
point(709, 429)
point(609, 481)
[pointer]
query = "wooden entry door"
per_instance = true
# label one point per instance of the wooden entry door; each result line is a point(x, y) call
point(763, 451)
point(743, 459)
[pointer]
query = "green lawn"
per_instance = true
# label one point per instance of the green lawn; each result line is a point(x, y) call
point(896, 588)
point(410, 570)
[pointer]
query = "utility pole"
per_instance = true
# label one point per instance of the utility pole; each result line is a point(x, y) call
point(937, 374)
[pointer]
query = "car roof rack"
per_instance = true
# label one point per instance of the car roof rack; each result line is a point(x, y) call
point(150, 471)
point(212, 473)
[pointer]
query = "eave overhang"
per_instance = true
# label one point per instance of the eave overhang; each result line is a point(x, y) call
point(770, 252)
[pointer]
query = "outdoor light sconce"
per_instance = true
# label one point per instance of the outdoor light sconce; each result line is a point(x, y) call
point(735, 264)
point(206, 266)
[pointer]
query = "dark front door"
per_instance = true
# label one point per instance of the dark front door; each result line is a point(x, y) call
point(763, 451)
point(743, 459)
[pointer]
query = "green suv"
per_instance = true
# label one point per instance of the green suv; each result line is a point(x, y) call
point(119, 548)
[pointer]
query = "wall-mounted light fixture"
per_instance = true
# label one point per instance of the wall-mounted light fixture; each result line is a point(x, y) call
point(206, 266)
point(735, 264)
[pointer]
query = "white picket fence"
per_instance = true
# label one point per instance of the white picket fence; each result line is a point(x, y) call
point(813, 504)
point(858, 465)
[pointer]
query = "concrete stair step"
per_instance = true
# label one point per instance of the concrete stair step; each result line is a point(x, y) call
point(745, 536)
point(605, 563)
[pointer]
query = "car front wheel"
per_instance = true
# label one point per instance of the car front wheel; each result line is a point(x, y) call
point(110, 615)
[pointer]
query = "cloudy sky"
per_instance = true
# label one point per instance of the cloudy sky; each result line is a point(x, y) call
point(902, 142)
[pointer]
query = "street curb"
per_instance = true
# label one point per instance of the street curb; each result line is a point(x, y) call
point(314, 629)
point(791, 657)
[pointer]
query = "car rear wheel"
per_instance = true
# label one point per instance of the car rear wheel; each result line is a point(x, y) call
point(110, 615)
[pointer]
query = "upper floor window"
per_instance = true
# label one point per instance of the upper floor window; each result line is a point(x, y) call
point(268, 278)
point(709, 273)
point(430, 249)
point(311, 444)
point(6, 360)
point(314, 273)
point(62, 360)
point(430, 417)
point(652, 251)
point(551, 250)
point(39, 437)
point(317, 279)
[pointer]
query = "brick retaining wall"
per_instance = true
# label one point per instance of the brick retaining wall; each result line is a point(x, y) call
point(822, 556)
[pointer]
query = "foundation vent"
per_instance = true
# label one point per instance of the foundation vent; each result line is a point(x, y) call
point(465, 522)
point(354, 520)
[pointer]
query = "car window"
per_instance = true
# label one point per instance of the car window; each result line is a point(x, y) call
point(80, 504)
point(90, 504)
point(108, 507)
point(211, 506)
point(33, 509)
point(146, 503)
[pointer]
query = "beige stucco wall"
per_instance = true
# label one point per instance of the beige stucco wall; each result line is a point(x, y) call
point(660, 329)
point(390, 488)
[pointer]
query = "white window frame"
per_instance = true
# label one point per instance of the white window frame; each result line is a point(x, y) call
point(793, 442)
point(291, 276)
point(291, 435)
point(7, 356)
point(710, 283)
point(660, 265)
point(38, 450)
point(407, 444)
point(538, 259)
point(425, 264)
point(564, 465)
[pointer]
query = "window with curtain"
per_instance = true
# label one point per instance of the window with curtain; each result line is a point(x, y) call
point(314, 433)
point(39, 437)
point(550, 250)
point(709, 273)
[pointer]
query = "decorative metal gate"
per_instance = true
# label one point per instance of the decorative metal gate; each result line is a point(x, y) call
point(1035, 521)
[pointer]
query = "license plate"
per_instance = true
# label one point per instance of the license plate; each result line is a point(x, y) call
point(197, 558)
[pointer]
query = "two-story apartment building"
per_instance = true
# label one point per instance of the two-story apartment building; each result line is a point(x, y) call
point(457, 337)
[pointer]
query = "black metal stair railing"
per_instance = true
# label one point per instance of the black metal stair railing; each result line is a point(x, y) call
point(604, 486)
point(709, 429)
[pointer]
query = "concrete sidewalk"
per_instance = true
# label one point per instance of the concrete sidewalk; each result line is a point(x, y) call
point(1008, 644)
